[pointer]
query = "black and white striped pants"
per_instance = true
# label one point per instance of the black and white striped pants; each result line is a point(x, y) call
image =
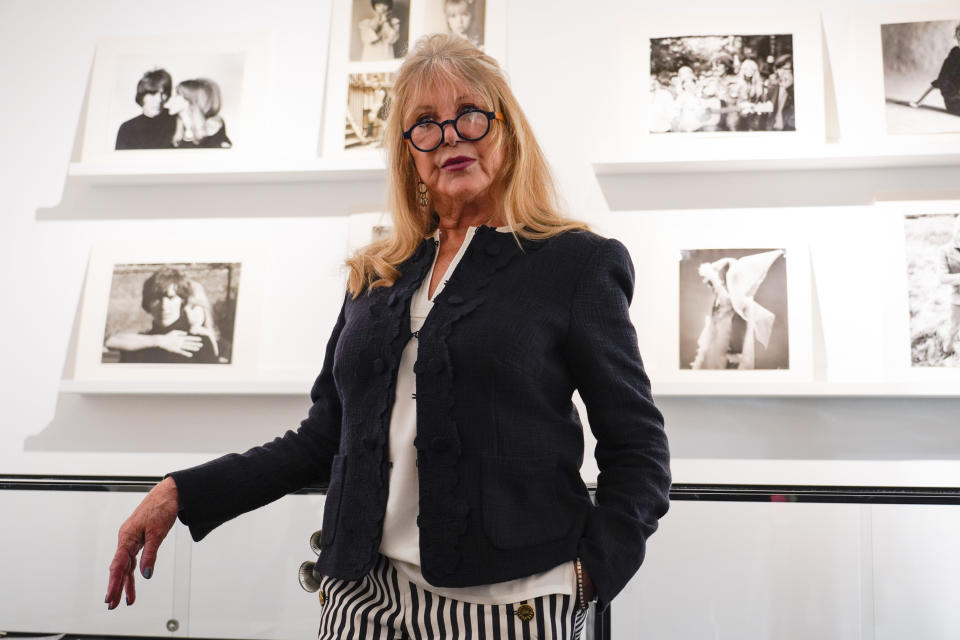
point(385, 606)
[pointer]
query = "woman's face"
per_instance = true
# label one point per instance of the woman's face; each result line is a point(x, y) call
point(176, 103)
point(381, 8)
point(458, 170)
point(152, 103)
point(458, 18)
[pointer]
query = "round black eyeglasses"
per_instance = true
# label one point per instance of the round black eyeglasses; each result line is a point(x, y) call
point(471, 125)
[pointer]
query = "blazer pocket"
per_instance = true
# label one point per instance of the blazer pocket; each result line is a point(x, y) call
point(520, 503)
point(331, 504)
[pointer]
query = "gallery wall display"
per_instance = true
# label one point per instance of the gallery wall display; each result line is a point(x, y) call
point(150, 313)
point(695, 80)
point(909, 70)
point(158, 97)
point(367, 44)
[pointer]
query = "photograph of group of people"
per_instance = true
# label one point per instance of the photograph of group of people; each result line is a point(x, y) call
point(172, 313)
point(185, 115)
point(722, 83)
point(921, 76)
point(381, 32)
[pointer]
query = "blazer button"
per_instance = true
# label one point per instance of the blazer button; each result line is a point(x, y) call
point(493, 249)
point(315, 541)
point(370, 442)
point(435, 365)
point(525, 612)
point(307, 581)
point(378, 365)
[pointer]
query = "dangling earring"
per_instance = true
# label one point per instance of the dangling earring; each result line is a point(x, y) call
point(422, 198)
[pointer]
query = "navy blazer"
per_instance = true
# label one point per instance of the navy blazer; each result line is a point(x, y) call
point(499, 443)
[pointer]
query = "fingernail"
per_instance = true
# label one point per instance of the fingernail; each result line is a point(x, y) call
point(148, 572)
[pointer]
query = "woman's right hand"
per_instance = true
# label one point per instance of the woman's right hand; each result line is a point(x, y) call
point(145, 529)
point(180, 342)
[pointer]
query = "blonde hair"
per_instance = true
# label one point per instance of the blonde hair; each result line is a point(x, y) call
point(530, 202)
point(203, 100)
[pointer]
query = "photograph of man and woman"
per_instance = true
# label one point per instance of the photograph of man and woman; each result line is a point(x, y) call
point(171, 313)
point(722, 83)
point(921, 76)
point(158, 107)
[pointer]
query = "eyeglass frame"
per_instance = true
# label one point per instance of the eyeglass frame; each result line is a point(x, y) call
point(491, 115)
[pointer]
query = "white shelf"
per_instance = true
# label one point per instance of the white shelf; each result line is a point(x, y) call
point(142, 171)
point(214, 387)
point(808, 389)
point(687, 158)
point(660, 390)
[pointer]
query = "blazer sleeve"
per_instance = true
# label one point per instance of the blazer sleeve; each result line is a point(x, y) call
point(632, 454)
point(219, 490)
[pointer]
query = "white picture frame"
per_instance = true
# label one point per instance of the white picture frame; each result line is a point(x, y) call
point(377, 76)
point(114, 281)
point(656, 310)
point(900, 330)
point(875, 115)
point(238, 65)
point(632, 132)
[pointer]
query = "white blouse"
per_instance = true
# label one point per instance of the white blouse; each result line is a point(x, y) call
point(401, 538)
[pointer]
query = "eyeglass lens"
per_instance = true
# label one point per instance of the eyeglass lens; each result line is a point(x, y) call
point(470, 125)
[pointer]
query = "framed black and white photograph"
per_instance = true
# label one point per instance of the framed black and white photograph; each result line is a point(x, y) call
point(157, 95)
point(722, 83)
point(380, 30)
point(733, 309)
point(932, 246)
point(176, 313)
point(906, 87)
point(694, 82)
point(368, 99)
point(733, 296)
point(151, 314)
point(464, 18)
point(921, 76)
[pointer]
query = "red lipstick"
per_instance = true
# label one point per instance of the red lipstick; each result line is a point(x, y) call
point(458, 163)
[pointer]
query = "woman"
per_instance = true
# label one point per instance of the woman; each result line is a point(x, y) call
point(442, 417)
point(948, 81)
point(196, 103)
point(750, 95)
point(182, 331)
